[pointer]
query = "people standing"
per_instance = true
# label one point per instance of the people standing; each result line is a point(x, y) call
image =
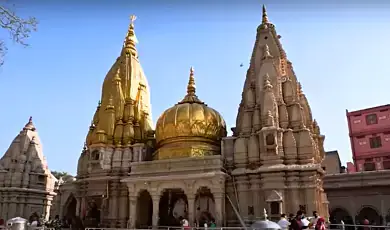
point(283, 222)
point(296, 223)
point(315, 218)
point(212, 224)
point(320, 224)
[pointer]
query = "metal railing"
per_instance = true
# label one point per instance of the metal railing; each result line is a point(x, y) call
point(329, 227)
point(356, 227)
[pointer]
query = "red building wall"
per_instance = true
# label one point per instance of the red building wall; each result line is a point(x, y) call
point(369, 131)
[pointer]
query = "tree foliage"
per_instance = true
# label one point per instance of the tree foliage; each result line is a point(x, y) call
point(58, 174)
point(17, 27)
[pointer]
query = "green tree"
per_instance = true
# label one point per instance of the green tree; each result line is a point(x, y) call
point(17, 27)
point(58, 174)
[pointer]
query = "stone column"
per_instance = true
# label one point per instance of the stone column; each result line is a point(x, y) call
point(22, 205)
point(156, 201)
point(219, 208)
point(132, 211)
point(191, 208)
point(123, 207)
point(256, 193)
point(113, 203)
point(78, 206)
point(293, 192)
point(242, 190)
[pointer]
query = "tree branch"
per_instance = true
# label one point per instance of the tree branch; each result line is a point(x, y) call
point(19, 29)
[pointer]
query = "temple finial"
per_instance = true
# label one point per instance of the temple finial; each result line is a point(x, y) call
point(191, 88)
point(131, 39)
point(265, 16)
point(29, 125)
point(132, 19)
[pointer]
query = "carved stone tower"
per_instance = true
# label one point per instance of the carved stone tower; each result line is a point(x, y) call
point(276, 150)
point(26, 184)
point(120, 132)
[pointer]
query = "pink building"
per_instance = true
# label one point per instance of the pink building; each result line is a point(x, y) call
point(369, 131)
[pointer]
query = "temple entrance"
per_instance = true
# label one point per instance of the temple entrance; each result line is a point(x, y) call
point(144, 210)
point(205, 206)
point(339, 214)
point(173, 205)
point(371, 215)
point(93, 216)
point(70, 208)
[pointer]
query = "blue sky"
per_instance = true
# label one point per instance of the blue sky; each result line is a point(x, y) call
point(339, 53)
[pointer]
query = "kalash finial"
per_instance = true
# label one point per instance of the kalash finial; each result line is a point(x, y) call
point(265, 16)
point(191, 87)
point(132, 19)
point(131, 39)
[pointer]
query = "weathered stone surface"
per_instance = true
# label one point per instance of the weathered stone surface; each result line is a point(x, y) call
point(26, 184)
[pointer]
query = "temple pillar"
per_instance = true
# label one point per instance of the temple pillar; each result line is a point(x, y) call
point(242, 189)
point(132, 210)
point(256, 193)
point(191, 208)
point(219, 199)
point(123, 207)
point(113, 203)
point(155, 216)
point(78, 206)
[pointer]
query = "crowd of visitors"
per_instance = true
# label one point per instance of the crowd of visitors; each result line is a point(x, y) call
point(300, 221)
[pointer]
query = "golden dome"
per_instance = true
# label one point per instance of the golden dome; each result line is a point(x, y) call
point(189, 128)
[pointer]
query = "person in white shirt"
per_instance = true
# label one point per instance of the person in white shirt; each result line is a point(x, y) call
point(313, 221)
point(184, 222)
point(283, 222)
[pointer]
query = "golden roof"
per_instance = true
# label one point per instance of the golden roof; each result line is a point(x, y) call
point(189, 128)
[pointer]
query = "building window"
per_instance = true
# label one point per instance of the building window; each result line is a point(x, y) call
point(375, 142)
point(371, 119)
point(369, 166)
point(386, 164)
point(275, 208)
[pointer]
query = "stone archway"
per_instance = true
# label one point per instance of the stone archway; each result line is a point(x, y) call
point(144, 210)
point(371, 214)
point(69, 211)
point(173, 206)
point(205, 206)
point(341, 214)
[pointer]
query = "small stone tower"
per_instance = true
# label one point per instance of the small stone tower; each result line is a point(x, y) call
point(26, 184)
point(275, 153)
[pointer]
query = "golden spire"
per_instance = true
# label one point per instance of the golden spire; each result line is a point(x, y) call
point(191, 89)
point(131, 39)
point(265, 16)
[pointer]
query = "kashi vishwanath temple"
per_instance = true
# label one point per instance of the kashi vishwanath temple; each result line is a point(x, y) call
point(132, 175)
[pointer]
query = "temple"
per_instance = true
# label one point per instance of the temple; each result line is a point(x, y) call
point(26, 184)
point(132, 175)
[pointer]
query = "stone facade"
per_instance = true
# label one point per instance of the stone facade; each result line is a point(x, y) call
point(26, 184)
point(355, 196)
point(130, 175)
